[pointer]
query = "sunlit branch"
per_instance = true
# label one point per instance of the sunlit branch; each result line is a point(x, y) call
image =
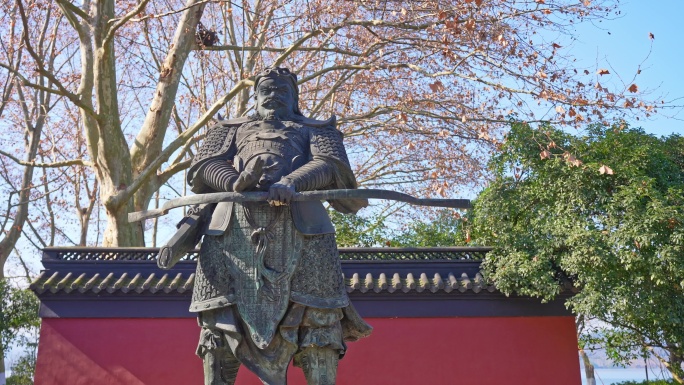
point(153, 16)
point(69, 9)
point(118, 23)
point(172, 170)
point(176, 144)
point(72, 162)
point(49, 75)
point(272, 49)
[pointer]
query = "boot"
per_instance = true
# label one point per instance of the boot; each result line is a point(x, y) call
point(319, 365)
point(220, 364)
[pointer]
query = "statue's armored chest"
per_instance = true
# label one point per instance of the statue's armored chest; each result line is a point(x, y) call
point(274, 134)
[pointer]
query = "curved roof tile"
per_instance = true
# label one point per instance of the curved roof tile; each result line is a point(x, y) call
point(67, 282)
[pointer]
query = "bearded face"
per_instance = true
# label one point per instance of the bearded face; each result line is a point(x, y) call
point(275, 99)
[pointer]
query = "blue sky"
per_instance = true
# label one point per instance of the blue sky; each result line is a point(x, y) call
point(622, 44)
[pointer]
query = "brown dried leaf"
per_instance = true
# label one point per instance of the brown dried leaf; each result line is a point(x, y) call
point(603, 71)
point(651, 35)
point(572, 161)
point(546, 154)
point(605, 170)
point(633, 88)
point(470, 24)
point(436, 86)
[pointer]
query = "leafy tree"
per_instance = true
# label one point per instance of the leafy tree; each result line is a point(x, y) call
point(358, 231)
point(132, 90)
point(23, 370)
point(19, 323)
point(605, 209)
point(443, 230)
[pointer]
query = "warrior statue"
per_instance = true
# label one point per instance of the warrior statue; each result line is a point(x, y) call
point(269, 285)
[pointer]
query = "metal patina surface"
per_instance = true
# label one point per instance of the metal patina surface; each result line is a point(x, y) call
point(269, 286)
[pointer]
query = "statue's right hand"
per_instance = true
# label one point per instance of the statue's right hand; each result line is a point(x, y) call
point(250, 177)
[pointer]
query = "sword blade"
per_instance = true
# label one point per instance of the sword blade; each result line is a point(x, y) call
point(260, 196)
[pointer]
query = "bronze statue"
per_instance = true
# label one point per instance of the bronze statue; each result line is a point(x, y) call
point(269, 285)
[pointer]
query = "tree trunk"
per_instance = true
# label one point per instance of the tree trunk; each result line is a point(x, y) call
point(588, 368)
point(2, 348)
point(117, 165)
point(675, 366)
point(113, 161)
point(149, 142)
point(12, 235)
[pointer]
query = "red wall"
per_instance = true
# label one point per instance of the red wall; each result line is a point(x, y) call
point(493, 350)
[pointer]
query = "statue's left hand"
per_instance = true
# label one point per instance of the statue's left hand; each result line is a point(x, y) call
point(280, 194)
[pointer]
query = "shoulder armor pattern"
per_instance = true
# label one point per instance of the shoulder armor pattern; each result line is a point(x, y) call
point(327, 142)
point(216, 142)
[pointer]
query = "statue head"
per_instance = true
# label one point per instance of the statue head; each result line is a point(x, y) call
point(276, 94)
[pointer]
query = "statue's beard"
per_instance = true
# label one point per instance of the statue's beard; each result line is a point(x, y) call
point(267, 113)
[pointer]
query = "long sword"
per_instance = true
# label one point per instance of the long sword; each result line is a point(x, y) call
point(261, 196)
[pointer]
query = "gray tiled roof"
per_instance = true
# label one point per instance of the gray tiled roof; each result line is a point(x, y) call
point(417, 283)
point(383, 282)
point(67, 282)
point(164, 283)
point(80, 254)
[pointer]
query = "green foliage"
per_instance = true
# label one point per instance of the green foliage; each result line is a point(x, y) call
point(19, 323)
point(358, 231)
point(18, 316)
point(444, 230)
point(607, 211)
point(23, 369)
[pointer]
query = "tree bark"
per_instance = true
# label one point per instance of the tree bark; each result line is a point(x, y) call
point(148, 143)
point(12, 236)
point(675, 366)
point(588, 368)
point(2, 348)
point(117, 166)
point(113, 163)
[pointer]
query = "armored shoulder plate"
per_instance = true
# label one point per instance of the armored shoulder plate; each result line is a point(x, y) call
point(217, 144)
point(328, 142)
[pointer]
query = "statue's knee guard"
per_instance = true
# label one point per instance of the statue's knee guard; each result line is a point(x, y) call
point(220, 364)
point(319, 365)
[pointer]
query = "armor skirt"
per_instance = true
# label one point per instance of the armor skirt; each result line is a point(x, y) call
point(271, 291)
